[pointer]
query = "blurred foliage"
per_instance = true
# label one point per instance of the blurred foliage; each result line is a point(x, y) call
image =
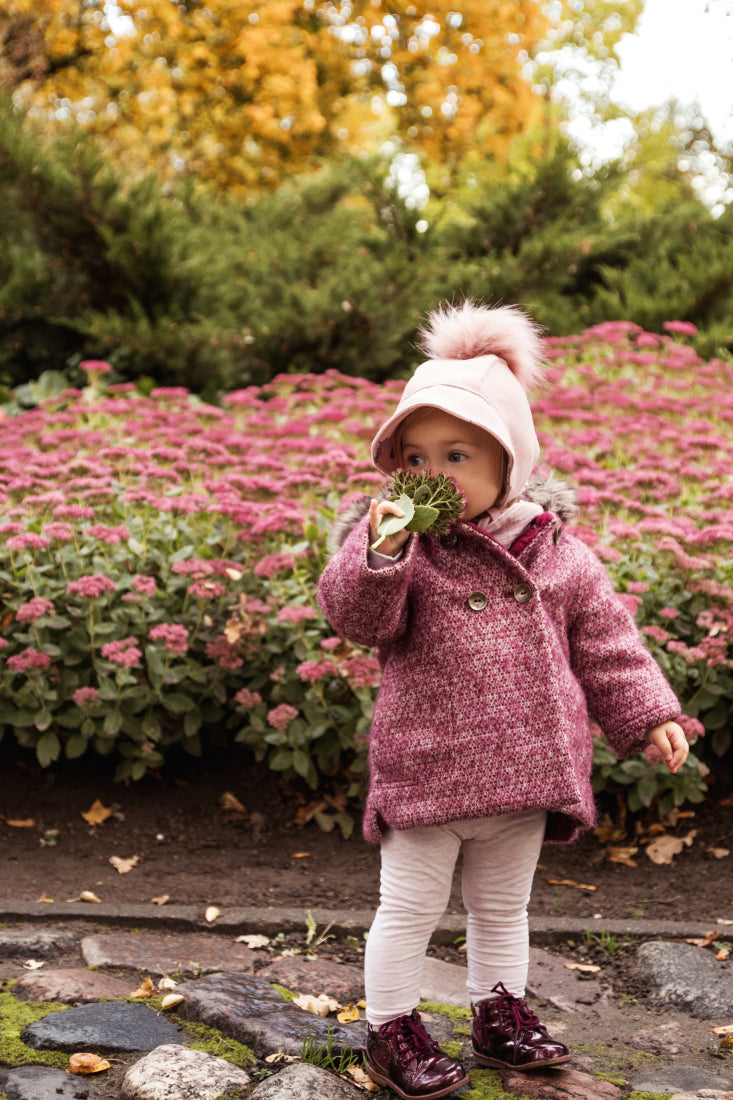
point(333, 269)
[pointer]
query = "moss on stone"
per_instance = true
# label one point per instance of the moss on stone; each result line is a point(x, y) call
point(649, 1095)
point(16, 1015)
point(464, 1032)
point(210, 1041)
point(486, 1084)
point(452, 1048)
point(612, 1078)
point(286, 994)
point(453, 1012)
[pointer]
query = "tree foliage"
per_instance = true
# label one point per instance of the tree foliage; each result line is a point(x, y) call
point(243, 95)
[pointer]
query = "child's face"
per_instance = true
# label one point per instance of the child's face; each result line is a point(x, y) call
point(444, 444)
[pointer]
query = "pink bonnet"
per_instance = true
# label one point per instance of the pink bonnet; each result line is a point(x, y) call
point(482, 361)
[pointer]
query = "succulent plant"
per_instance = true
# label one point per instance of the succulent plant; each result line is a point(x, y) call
point(429, 503)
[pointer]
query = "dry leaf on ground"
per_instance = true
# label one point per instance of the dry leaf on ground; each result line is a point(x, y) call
point(607, 834)
point(161, 899)
point(726, 1029)
point(253, 942)
point(230, 804)
point(167, 983)
point(124, 866)
point(722, 954)
point(86, 895)
point(299, 855)
point(623, 855)
point(701, 941)
point(348, 1014)
point(33, 964)
point(719, 853)
point(147, 989)
point(360, 1078)
point(83, 1064)
point(171, 1000)
point(97, 813)
point(585, 968)
point(665, 848)
point(212, 913)
point(44, 897)
point(20, 823)
point(569, 882)
point(319, 1006)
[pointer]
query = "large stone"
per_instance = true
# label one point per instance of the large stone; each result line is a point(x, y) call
point(249, 1010)
point(551, 981)
point(310, 974)
point(560, 1084)
point(70, 986)
point(114, 1027)
point(661, 1039)
point(444, 983)
point(305, 1082)
point(703, 1094)
point(176, 1073)
point(35, 943)
point(45, 1083)
point(190, 953)
point(680, 1078)
point(686, 976)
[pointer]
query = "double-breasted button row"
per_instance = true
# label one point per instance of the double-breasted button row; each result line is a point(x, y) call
point(522, 592)
point(477, 601)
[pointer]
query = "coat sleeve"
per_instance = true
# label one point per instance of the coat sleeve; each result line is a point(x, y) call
point(365, 605)
point(626, 691)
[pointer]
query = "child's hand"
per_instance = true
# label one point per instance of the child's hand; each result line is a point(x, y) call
point(393, 543)
point(670, 739)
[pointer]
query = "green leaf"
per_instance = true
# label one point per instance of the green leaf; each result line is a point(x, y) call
point(425, 516)
point(150, 725)
point(112, 722)
point(177, 703)
point(43, 719)
point(76, 746)
point(48, 749)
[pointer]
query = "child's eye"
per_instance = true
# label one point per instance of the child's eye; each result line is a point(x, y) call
point(415, 460)
point(456, 456)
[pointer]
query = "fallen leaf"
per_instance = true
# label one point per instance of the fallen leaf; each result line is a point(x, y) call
point(97, 813)
point(719, 853)
point(33, 964)
point(83, 1064)
point(21, 823)
point(86, 895)
point(124, 866)
point(161, 899)
point(569, 882)
point(665, 848)
point(253, 942)
point(44, 897)
point(167, 983)
point(702, 941)
point(727, 1043)
point(230, 804)
point(147, 989)
point(308, 812)
point(212, 913)
point(348, 1014)
point(723, 953)
point(585, 968)
point(608, 833)
point(233, 631)
point(171, 1000)
point(361, 1004)
point(299, 855)
point(280, 1057)
point(361, 1078)
point(319, 1006)
point(722, 920)
point(726, 1029)
point(234, 574)
point(623, 855)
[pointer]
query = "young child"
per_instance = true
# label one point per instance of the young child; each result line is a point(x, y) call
point(497, 642)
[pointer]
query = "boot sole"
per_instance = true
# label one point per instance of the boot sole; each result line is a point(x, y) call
point(381, 1079)
point(484, 1061)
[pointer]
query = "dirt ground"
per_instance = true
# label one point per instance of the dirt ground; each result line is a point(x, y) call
point(193, 849)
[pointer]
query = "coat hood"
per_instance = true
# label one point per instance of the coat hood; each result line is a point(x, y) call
point(482, 363)
point(549, 491)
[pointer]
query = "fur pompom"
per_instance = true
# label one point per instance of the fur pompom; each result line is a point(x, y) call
point(470, 330)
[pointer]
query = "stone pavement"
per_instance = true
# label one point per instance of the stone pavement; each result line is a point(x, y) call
point(234, 1030)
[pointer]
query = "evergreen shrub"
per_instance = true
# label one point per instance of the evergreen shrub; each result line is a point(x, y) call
point(159, 556)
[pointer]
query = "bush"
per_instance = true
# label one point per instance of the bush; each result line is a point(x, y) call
point(159, 556)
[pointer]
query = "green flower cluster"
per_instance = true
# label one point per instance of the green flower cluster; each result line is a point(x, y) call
point(429, 504)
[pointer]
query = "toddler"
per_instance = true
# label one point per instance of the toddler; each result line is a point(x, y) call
point(497, 643)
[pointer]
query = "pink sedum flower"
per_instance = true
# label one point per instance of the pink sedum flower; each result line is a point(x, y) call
point(206, 590)
point(279, 718)
point(84, 696)
point(28, 660)
point(124, 652)
point(146, 586)
point(247, 698)
point(95, 366)
point(109, 535)
point(27, 541)
point(34, 609)
point(173, 636)
point(91, 586)
point(295, 614)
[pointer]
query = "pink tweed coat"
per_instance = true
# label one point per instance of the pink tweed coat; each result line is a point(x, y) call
point(492, 664)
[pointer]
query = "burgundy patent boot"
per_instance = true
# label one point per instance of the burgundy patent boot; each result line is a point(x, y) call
point(507, 1033)
point(401, 1055)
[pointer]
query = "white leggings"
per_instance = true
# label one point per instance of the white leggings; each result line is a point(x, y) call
point(499, 859)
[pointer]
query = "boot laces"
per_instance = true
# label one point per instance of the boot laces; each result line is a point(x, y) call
point(410, 1037)
point(510, 1008)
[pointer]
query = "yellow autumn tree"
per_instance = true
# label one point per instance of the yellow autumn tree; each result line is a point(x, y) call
point(243, 94)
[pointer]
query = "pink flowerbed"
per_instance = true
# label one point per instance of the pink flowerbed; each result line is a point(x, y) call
point(158, 555)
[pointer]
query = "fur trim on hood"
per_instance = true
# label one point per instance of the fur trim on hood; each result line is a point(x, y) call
point(549, 491)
